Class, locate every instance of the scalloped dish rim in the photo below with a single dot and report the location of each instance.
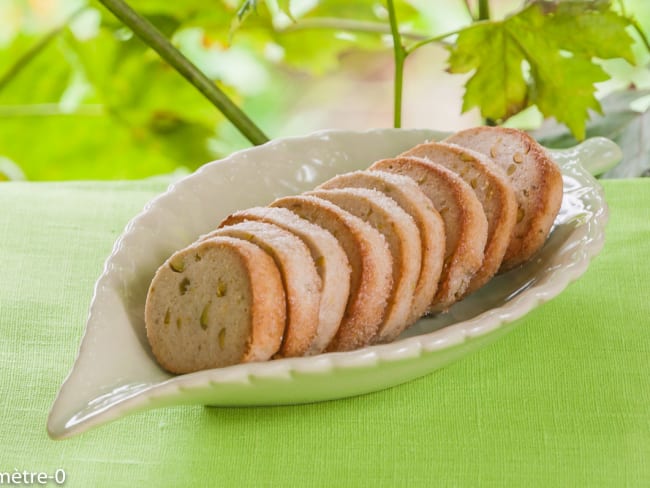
(200, 387)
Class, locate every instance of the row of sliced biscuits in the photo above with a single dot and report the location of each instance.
(358, 259)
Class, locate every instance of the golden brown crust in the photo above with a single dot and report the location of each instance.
(330, 260)
(493, 201)
(403, 238)
(183, 338)
(302, 285)
(536, 179)
(370, 260)
(408, 195)
(268, 312)
(465, 223)
(493, 190)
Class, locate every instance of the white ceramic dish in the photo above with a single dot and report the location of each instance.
(115, 373)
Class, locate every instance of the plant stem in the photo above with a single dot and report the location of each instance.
(29, 55)
(430, 40)
(335, 23)
(484, 14)
(483, 10)
(159, 43)
(400, 55)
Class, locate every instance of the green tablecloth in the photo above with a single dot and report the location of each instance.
(563, 400)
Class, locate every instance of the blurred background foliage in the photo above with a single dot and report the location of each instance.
(82, 98)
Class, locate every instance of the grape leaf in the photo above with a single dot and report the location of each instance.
(591, 30)
(488, 49)
(541, 56)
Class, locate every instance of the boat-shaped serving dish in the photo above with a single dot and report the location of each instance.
(115, 373)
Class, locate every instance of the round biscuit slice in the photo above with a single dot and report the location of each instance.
(301, 282)
(328, 255)
(403, 238)
(493, 190)
(370, 263)
(407, 194)
(216, 303)
(465, 223)
(536, 179)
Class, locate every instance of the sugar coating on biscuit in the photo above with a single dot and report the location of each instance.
(408, 195)
(328, 256)
(403, 238)
(370, 262)
(302, 285)
(536, 179)
(465, 223)
(493, 190)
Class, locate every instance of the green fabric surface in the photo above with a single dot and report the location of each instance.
(563, 400)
